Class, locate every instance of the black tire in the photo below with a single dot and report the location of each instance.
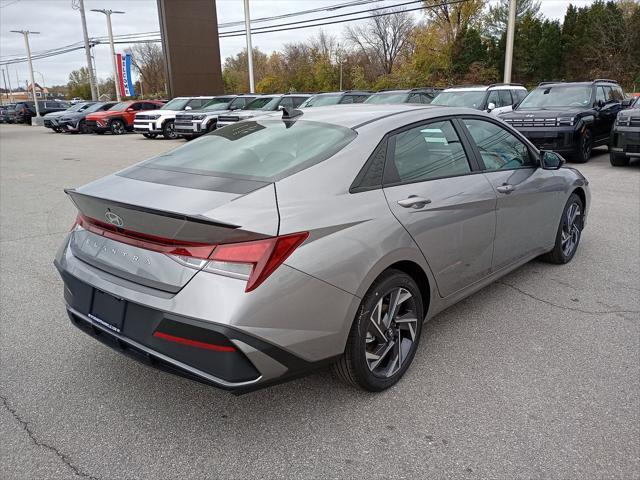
(82, 127)
(150, 135)
(169, 131)
(57, 129)
(117, 127)
(582, 153)
(353, 367)
(559, 255)
(618, 160)
(100, 132)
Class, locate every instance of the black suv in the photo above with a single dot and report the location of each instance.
(569, 118)
(625, 137)
(27, 110)
(414, 95)
(337, 98)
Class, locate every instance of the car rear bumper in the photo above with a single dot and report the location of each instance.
(626, 141)
(291, 324)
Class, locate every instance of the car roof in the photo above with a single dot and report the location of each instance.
(483, 88)
(354, 115)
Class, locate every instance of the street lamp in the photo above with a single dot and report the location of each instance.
(108, 13)
(25, 34)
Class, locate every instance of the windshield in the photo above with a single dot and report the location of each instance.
(266, 103)
(380, 98)
(322, 100)
(257, 149)
(95, 107)
(557, 96)
(118, 107)
(175, 104)
(218, 103)
(79, 107)
(460, 98)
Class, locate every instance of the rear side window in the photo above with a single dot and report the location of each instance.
(426, 152)
(518, 95)
(617, 93)
(263, 150)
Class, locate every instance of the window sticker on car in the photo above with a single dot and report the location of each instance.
(438, 136)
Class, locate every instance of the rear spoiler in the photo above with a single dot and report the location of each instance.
(160, 223)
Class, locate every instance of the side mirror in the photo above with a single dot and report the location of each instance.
(491, 106)
(188, 108)
(550, 160)
(129, 109)
(234, 107)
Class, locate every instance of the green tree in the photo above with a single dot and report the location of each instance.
(496, 18)
(79, 85)
(467, 49)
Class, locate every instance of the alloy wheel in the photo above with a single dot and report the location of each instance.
(571, 229)
(391, 333)
(586, 145)
(117, 127)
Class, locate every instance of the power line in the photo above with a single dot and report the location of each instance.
(134, 38)
(243, 31)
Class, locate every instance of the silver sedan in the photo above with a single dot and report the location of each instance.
(300, 239)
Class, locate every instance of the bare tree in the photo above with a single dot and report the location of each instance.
(383, 38)
(148, 59)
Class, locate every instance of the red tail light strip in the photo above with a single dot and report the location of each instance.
(143, 240)
(265, 255)
(194, 343)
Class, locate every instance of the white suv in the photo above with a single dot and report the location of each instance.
(151, 123)
(496, 98)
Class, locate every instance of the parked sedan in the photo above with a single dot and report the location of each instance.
(302, 238)
(75, 121)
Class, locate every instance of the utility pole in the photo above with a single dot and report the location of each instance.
(5, 82)
(79, 5)
(9, 82)
(116, 77)
(25, 34)
(511, 29)
(247, 26)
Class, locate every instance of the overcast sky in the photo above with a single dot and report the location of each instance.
(60, 25)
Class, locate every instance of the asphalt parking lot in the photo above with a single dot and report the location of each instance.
(536, 376)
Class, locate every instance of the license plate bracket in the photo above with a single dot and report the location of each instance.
(108, 310)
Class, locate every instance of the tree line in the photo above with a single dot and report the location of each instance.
(454, 44)
(446, 44)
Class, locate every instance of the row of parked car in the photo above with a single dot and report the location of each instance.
(569, 118)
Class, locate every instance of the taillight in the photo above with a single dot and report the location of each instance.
(254, 261)
(148, 242)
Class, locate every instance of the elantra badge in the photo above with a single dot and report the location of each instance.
(114, 219)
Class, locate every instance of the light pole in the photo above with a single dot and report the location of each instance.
(108, 13)
(511, 28)
(247, 27)
(79, 5)
(25, 34)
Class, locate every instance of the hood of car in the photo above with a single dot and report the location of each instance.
(630, 112)
(105, 114)
(72, 115)
(55, 114)
(554, 112)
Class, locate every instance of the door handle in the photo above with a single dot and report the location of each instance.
(414, 202)
(506, 188)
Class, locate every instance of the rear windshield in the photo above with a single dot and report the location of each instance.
(260, 150)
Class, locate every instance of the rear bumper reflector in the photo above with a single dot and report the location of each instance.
(193, 343)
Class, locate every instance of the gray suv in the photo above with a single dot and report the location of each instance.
(263, 106)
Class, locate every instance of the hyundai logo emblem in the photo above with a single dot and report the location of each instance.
(113, 218)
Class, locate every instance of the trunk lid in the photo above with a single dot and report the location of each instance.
(137, 223)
